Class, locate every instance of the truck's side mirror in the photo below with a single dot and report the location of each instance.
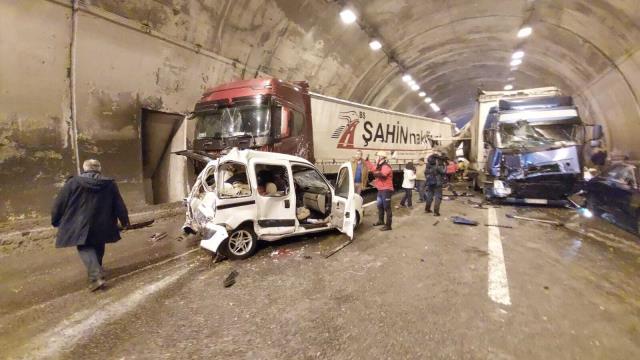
(285, 129)
(597, 132)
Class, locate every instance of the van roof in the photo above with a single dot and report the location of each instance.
(244, 156)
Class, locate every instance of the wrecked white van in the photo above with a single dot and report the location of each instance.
(248, 195)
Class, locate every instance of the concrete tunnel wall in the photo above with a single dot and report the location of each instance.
(161, 55)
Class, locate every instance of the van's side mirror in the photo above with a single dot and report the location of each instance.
(597, 133)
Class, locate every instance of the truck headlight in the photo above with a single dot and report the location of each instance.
(499, 189)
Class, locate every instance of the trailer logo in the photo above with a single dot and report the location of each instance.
(346, 133)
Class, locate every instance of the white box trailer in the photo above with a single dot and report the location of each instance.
(341, 127)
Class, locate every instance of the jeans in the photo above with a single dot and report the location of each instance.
(91, 256)
(384, 206)
(407, 197)
(421, 185)
(434, 191)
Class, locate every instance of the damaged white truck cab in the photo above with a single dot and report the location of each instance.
(247, 195)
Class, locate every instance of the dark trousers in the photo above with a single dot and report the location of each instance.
(384, 206)
(422, 188)
(406, 199)
(91, 255)
(434, 191)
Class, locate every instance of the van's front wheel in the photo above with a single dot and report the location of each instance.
(241, 244)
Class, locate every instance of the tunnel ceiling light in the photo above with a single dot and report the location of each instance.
(407, 78)
(428, 100)
(434, 107)
(415, 87)
(511, 79)
(422, 94)
(518, 54)
(348, 16)
(375, 45)
(524, 32)
(514, 68)
(446, 118)
(508, 87)
(516, 62)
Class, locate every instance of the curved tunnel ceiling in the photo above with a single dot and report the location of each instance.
(452, 48)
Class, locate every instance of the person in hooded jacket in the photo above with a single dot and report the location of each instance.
(86, 213)
(434, 173)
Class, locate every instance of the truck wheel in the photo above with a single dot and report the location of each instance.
(241, 243)
(357, 220)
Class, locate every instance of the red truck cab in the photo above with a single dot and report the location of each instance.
(264, 114)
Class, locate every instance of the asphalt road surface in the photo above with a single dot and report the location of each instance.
(427, 289)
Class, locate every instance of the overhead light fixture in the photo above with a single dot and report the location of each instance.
(524, 32)
(348, 16)
(511, 79)
(514, 68)
(518, 54)
(434, 107)
(446, 118)
(427, 100)
(375, 45)
(407, 78)
(422, 94)
(415, 87)
(508, 87)
(516, 62)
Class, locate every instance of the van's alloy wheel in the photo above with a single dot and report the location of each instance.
(241, 244)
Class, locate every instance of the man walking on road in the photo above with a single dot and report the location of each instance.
(360, 172)
(435, 180)
(86, 213)
(383, 174)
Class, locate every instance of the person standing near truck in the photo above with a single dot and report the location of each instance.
(383, 174)
(360, 172)
(420, 180)
(408, 183)
(434, 174)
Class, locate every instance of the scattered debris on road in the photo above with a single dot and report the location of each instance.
(158, 236)
(330, 253)
(500, 226)
(436, 223)
(230, 279)
(139, 225)
(551, 222)
(463, 221)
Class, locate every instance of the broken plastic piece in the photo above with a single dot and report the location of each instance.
(230, 279)
(463, 221)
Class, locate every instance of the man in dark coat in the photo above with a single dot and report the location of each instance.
(86, 213)
(434, 174)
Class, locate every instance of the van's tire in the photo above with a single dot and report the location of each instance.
(241, 243)
(358, 220)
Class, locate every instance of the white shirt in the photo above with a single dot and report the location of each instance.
(409, 179)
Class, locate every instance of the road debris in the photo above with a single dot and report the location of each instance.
(327, 255)
(230, 279)
(436, 223)
(158, 236)
(556, 223)
(139, 225)
(500, 226)
(463, 221)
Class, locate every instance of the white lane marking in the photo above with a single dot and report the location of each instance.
(498, 286)
(368, 204)
(77, 327)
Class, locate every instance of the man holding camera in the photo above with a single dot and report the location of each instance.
(434, 174)
(383, 174)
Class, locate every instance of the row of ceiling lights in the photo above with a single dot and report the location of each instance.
(518, 55)
(349, 17)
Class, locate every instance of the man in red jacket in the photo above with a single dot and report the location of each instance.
(383, 174)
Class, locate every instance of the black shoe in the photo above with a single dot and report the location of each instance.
(385, 228)
(427, 210)
(436, 214)
(378, 223)
(96, 284)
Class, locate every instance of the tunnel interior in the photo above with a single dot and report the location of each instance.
(94, 65)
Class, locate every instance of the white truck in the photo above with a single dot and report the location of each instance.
(278, 116)
(527, 146)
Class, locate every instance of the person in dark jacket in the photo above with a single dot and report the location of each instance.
(434, 174)
(86, 213)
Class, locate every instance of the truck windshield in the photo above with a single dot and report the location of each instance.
(236, 120)
(525, 134)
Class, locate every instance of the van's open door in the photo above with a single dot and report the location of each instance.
(343, 209)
